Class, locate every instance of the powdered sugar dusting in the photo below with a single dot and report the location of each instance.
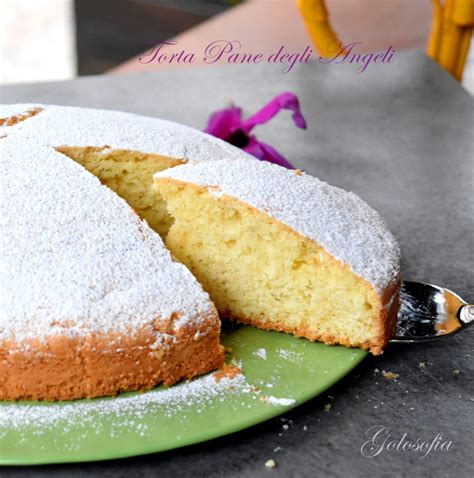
(11, 115)
(75, 257)
(171, 401)
(280, 401)
(289, 355)
(339, 221)
(260, 353)
(132, 412)
(72, 126)
(8, 111)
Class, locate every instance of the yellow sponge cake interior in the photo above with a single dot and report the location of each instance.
(130, 175)
(260, 271)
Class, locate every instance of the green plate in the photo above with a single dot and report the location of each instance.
(279, 372)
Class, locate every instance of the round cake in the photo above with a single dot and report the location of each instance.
(281, 250)
(92, 302)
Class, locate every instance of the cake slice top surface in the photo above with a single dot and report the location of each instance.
(58, 126)
(75, 258)
(339, 221)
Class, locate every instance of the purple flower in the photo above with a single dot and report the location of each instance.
(227, 124)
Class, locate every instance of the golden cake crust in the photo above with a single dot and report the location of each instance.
(64, 368)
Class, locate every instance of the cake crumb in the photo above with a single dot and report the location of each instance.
(422, 364)
(327, 407)
(270, 464)
(390, 375)
(227, 371)
(456, 371)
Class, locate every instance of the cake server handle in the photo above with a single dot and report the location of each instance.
(466, 314)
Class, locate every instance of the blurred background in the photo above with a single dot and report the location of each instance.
(44, 40)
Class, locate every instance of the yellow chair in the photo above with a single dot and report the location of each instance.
(315, 16)
(451, 34)
(451, 31)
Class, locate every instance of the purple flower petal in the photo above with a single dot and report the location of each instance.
(224, 122)
(287, 101)
(273, 156)
(265, 152)
(227, 124)
(253, 148)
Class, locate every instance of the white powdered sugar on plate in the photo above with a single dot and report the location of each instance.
(132, 411)
(339, 221)
(199, 391)
(289, 355)
(279, 401)
(260, 353)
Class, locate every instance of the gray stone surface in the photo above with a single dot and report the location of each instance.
(401, 137)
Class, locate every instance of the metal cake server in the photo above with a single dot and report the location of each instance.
(429, 312)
